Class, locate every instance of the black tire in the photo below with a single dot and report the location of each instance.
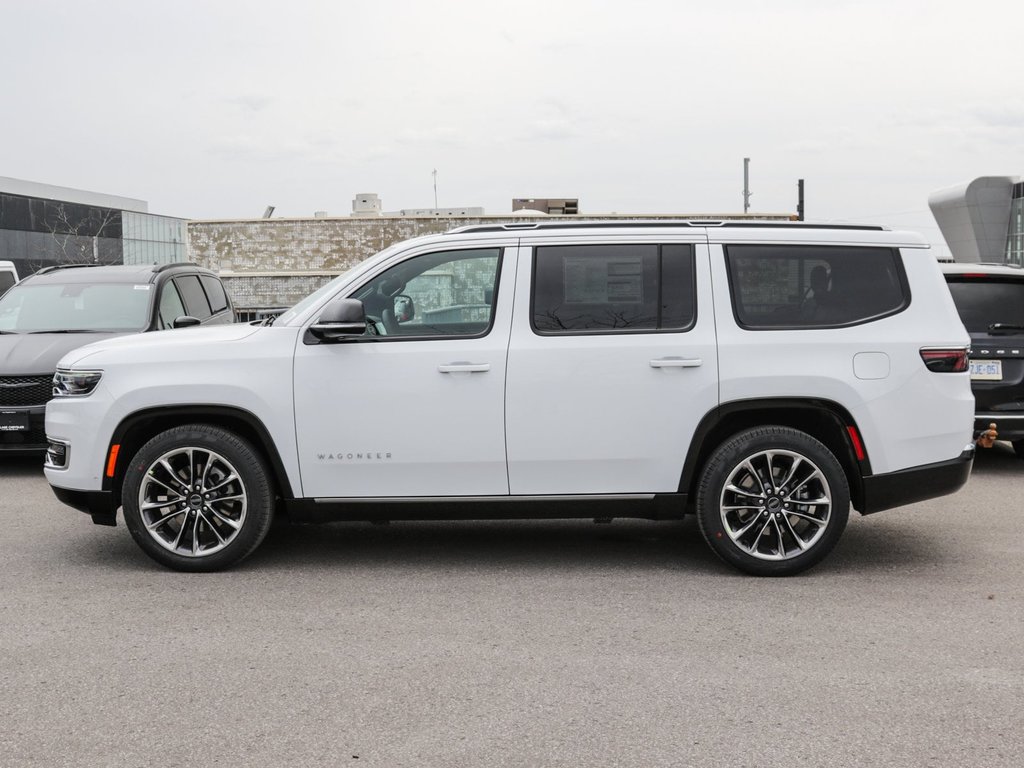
(1018, 448)
(216, 520)
(772, 527)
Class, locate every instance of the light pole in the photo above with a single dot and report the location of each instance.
(746, 184)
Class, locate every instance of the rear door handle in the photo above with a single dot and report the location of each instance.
(464, 368)
(677, 362)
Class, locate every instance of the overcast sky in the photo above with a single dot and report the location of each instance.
(217, 109)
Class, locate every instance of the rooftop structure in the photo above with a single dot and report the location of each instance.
(982, 220)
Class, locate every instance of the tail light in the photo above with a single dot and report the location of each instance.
(952, 360)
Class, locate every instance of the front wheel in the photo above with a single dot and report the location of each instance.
(1018, 448)
(197, 498)
(772, 501)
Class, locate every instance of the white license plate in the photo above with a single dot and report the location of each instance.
(987, 370)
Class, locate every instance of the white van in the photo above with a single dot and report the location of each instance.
(8, 276)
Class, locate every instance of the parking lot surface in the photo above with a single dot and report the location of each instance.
(517, 644)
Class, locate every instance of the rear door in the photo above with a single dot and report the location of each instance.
(612, 363)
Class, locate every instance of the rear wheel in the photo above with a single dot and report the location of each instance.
(197, 498)
(772, 501)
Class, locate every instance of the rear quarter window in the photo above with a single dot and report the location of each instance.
(814, 286)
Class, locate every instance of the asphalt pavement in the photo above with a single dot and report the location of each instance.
(517, 644)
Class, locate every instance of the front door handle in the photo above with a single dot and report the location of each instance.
(677, 362)
(464, 368)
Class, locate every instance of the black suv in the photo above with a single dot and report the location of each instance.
(990, 300)
(58, 309)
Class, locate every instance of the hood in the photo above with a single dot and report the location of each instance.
(146, 345)
(31, 353)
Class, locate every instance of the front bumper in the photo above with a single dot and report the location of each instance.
(907, 486)
(100, 505)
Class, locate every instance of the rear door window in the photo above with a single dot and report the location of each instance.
(613, 288)
(814, 286)
(194, 296)
(214, 293)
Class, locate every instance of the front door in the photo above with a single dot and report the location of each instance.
(417, 408)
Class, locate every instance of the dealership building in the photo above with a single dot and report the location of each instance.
(983, 220)
(43, 225)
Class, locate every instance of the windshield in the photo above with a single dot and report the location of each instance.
(113, 307)
(985, 303)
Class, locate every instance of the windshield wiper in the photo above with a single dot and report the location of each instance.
(1004, 328)
(67, 330)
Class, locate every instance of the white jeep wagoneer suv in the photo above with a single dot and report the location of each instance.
(761, 376)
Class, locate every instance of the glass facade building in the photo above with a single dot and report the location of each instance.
(43, 226)
(37, 233)
(150, 239)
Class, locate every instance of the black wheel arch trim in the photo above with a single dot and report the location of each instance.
(729, 418)
(192, 412)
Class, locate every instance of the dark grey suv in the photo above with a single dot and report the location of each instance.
(990, 300)
(59, 309)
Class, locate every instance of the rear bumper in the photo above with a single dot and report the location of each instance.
(907, 486)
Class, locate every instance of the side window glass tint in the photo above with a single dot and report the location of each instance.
(171, 307)
(613, 288)
(214, 293)
(451, 293)
(6, 281)
(194, 296)
(812, 286)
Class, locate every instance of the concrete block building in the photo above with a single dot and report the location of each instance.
(270, 264)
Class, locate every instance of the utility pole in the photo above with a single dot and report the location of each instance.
(799, 199)
(746, 184)
(435, 189)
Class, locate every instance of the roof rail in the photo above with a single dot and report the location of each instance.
(654, 224)
(55, 267)
(161, 267)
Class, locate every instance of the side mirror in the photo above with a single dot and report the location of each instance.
(186, 321)
(405, 310)
(341, 319)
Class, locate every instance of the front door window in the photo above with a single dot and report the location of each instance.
(437, 295)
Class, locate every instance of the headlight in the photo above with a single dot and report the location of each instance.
(75, 383)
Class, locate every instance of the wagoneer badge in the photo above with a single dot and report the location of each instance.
(363, 456)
